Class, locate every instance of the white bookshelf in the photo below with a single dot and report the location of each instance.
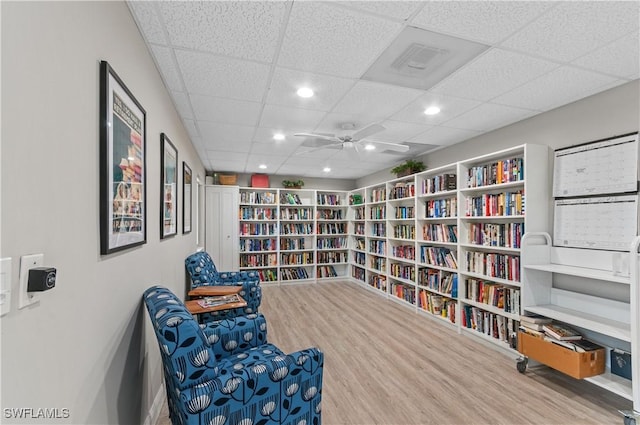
(595, 292)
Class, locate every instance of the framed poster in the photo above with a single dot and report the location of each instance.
(123, 168)
(186, 198)
(168, 188)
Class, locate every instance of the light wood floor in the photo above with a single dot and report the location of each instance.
(385, 364)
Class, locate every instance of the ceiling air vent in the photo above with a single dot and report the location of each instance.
(420, 59)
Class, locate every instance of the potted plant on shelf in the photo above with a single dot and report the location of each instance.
(293, 184)
(408, 167)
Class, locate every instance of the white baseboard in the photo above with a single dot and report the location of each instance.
(156, 407)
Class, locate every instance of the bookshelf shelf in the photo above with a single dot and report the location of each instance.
(586, 272)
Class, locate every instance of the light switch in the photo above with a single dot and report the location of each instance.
(5, 286)
(28, 262)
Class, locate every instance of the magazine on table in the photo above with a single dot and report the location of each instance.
(214, 301)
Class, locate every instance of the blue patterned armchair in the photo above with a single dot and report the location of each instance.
(203, 272)
(226, 373)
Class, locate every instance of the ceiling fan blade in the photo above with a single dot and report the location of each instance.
(389, 146)
(318, 136)
(367, 131)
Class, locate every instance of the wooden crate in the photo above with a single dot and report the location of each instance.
(228, 179)
(572, 363)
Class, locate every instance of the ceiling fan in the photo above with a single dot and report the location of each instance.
(356, 141)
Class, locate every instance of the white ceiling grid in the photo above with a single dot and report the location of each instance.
(232, 68)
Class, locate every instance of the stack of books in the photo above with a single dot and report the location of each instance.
(557, 333)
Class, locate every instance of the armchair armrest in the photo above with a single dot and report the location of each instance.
(235, 335)
(282, 389)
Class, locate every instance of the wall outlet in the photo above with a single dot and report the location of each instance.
(28, 262)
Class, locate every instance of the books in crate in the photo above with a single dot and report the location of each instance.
(557, 333)
(218, 300)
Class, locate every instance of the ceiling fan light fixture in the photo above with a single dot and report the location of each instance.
(432, 110)
(305, 92)
(278, 136)
(369, 147)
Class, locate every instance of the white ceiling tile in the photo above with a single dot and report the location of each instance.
(333, 40)
(560, 86)
(483, 21)
(495, 72)
(148, 21)
(218, 145)
(226, 156)
(283, 117)
(328, 90)
(168, 68)
(309, 154)
(363, 159)
(620, 58)
(181, 100)
(450, 107)
(573, 29)
(400, 10)
(265, 134)
(222, 164)
(283, 148)
(488, 117)
(225, 111)
(396, 131)
(335, 123)
(244, 29)
(224, 77)
(444, 136)
(387, 99)
(222, 133)
(299, 168)
(190, 125)
(273, 162)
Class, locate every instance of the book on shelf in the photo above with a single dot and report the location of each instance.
(533, 326)
(561, 332)
(535, 318)
(532, 332)
(218, 300)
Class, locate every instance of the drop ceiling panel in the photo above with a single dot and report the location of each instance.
(396, 132)
(492, 74)
(181, 100)
(284, 148)
(488, 117)
(168, 68)
(224, 77)
(450, 107)
(221, 164)
(573, 29)
(333, 123)
(283, 117)
(324, 38)
(215, 133)
(483, 21)
(309, 154)
(388, 99)
(620, 58)
(272, 162)
(228, 156)
(146, 16)
(193, 131)
(265, 134)
(568, 84)
(225, 111)
(444, 136)
(328, 90)
(400, 10)
(247, 30)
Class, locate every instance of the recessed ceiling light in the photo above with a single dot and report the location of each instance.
(262, 166)
(326, 169)
(369, 147)
(305, 92)
(278, 136)
(432, 110)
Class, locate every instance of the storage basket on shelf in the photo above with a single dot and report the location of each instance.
(228, 179)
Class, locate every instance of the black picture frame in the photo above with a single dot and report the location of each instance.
(123, 142)
(187, 198)
(168, 188)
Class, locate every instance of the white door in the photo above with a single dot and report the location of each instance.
(221, 236)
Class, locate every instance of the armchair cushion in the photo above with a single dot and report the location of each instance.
(261, 385)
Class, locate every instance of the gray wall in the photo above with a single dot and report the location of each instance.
(88, 345)
(309, 182)
(615, 111)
